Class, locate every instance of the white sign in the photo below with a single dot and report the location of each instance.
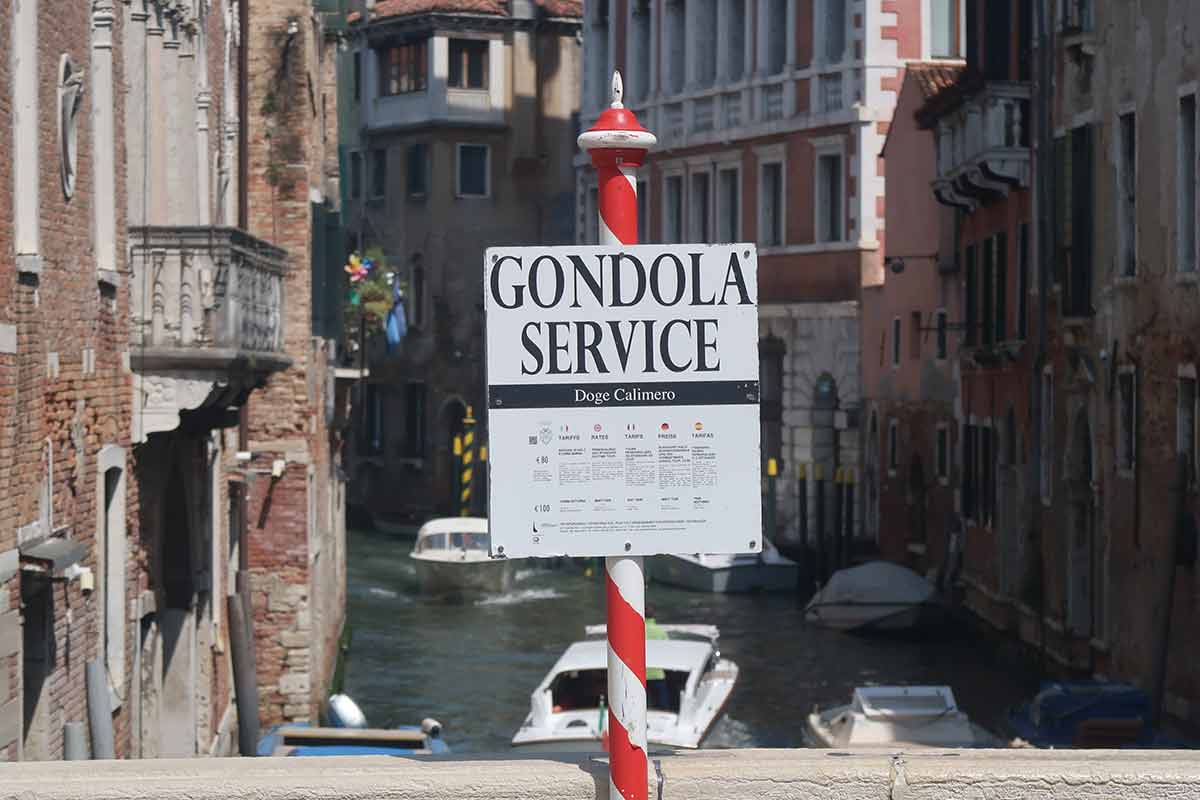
(623, 400)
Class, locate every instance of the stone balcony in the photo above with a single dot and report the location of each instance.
(983, 146)
(207, 307)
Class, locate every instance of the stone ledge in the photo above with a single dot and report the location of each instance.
(705, 775)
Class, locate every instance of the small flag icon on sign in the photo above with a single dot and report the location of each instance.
(699, 426)
(597, 427)
(665, 426)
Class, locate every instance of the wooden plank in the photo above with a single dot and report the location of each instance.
(300, 735)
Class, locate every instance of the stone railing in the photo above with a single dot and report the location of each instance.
(983, 146)
(704, 775)
(202, 296)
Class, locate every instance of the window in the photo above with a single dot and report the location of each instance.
(414, 420)
(1127, 194)
(944, 25)
(776, 35)
(673, 209)
(969, 472)
(675, 66)
(987, 281)
(378, 173)
(1073, 176)
(1186, 424)
(473, 170)
(1001, 298)
(1023, 281)
(829, 199)
(403, 69)
(914, 335)
(416, 292)
(970, 305)
(418, 169)
(941, 324)
(1076, 15)
(357, 76)
(591, 223)
(699, 207)
(998, 40)
(1186, 175)
(1047, 432)
(643, 211)
(831, 92)
(896, 342)
(468, 64)
(770, 228)
(771, 351)
(1127, 443)
(986, 487)
(834, 31)
(942, 452)
(728, 205)
(893, 446)
(356, 174)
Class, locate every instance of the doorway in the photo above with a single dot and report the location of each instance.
(1082, 559)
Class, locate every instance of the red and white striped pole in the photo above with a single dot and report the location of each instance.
(617, 144)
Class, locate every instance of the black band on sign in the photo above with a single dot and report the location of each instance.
(623, 395)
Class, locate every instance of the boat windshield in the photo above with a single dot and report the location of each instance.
(453, 541)
(581, 690)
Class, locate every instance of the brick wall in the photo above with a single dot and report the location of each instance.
(291, 536)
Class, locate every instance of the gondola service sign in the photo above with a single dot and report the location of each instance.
(623, 400)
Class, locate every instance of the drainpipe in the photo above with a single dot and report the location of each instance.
(244, 115)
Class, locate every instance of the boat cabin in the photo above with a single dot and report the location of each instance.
(467, 534)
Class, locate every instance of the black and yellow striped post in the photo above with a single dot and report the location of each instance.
(772, 476)
(456, 470)
(468, 464)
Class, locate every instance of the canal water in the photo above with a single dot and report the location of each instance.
(473, 664)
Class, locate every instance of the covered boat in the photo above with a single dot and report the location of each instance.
(568, 712)
(887, 716)
(768, 571)
(875, 596)
(451, 556)
(1085, 714)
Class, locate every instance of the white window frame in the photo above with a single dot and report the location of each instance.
(734, 166)
(1192, 448)
(1119, 194)
(487, 171)
(893, 447)
(772, 155)
(941, 434)
(897, 332)
(830, 146)
(1124, 469)
(927, 33)
(668, 173)
(1184, 264)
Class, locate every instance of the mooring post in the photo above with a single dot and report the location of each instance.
(769, 517)
(617, 144)
(819, 477)
(468, 463)
(848, 547)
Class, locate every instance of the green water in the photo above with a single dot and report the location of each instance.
(472, 665)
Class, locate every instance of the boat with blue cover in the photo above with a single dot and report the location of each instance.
(1067, 714)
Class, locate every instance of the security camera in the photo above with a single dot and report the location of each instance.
(896, 264)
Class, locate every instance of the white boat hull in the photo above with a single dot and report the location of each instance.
(688, 573)
(919, 735)
(451, 577)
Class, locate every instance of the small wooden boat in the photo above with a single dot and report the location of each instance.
(891, 716)
(299, 739)
(768, 571)
(1088, 714)
(568, 707)
(451, 556)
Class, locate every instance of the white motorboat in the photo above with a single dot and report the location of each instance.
(768, 571)
(890, 716)
(878, 596)
(451, 556)
(567, 709)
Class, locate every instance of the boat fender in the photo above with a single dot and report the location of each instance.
(345, 713)
(431, 727)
